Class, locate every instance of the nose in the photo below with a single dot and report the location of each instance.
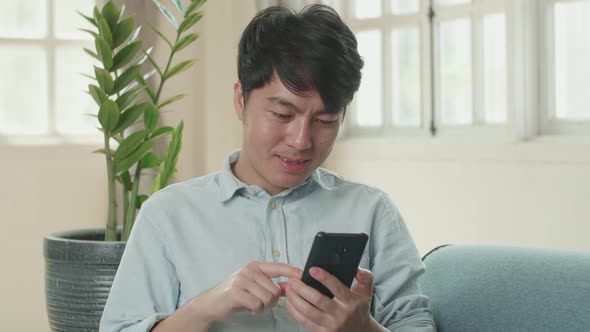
(299, 135)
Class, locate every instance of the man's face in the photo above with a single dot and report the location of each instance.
(285, 136)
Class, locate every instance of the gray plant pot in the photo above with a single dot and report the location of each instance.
(79, 272)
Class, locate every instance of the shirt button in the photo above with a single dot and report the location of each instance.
(276, 253)
(273, 205)
(252, 192)
(281, 303)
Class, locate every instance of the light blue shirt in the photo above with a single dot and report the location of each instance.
(190, 236)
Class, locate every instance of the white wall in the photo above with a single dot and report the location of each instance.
(533, 194)
(525, 194)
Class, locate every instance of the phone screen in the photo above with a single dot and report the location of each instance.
(337, 253)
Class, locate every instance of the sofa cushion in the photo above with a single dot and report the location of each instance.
(496, 288)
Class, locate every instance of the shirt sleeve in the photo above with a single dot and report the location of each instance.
(398, 302)
(145, 289)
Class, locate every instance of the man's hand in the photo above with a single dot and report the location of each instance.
(250, 288)
(347, 311)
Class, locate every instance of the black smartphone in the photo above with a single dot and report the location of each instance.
(337, 253)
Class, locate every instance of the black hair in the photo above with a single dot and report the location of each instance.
(309, 50)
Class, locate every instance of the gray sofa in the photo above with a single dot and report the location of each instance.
(496, 288)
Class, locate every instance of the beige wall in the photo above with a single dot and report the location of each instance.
(48, 188)
(523, 194)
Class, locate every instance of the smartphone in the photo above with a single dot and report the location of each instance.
(337, 253)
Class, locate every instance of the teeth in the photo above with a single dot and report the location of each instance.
(291, 162)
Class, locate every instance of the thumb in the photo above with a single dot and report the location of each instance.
(364, 285)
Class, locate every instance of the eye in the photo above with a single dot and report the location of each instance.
(281, 115)
(327, 122)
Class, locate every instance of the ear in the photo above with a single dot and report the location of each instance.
(238, 100)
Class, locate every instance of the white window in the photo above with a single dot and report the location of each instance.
(463, 68)
(565, 88)
(42, 64)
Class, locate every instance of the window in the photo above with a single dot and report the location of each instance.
(42, 65)
(453, 66)
(565, 89)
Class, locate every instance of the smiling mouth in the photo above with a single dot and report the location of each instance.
(293, 161)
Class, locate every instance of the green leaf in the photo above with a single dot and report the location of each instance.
(130, 116)
(145, 55)
(162, 36)
(178, 5)
(117, 138)
(127, 77)
(185, 41)
(156, 183)
(102, 151)
(125, 99)
(193, 6)
(92, 54)
(134, 157)
(171, 100)
(97, 15)
(89, 19)
(104, 79)
(104, 53)
(125, 55)
(92, 33)
(184, 65)
(140, 200)
(146, 87)
(88, 76)
(125, 179)
(108, 115)
(105, 32)
(161, 131)
(166, 13)
(97, 94)
(129, 144)
(154, 64)
(189, 21)
(123, 31)
(110, 13)
(169, 170)
(150, 117)
(150, 160)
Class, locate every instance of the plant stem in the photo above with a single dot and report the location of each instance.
(126, 194)
(157, 99)
(111, 230)
(130, 216)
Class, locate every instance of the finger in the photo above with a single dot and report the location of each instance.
(247, 301)
(311, 295)
(304, 307)
(253, 272)
(265, 296)
(283, 286)
(340, 291)
(274, 270)
(364, 286)
(301, 319)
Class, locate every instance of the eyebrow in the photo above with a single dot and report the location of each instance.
(286, 103)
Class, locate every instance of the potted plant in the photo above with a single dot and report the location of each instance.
(81, 264)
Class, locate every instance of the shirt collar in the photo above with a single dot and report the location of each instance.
(229, 184)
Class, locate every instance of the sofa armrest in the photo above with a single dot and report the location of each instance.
(497, 288)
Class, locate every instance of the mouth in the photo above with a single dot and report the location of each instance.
(293, 161)
(293, 164)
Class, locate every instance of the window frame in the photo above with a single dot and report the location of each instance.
(547, 124)
(50, 43)
(529, 74)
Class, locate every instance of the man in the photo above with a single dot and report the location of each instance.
(223, 252)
